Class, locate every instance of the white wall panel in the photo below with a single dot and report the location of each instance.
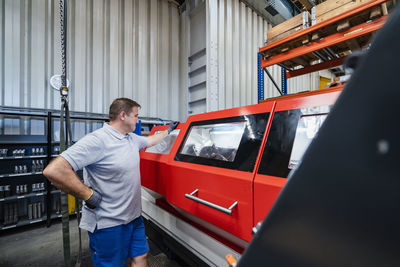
(138, 49)
(198, 58)
(240, 33)
(2, 35)
(174, 63)
(115, 48)
(98, 62)
(183, 67)
(212, 56)
(236, 54)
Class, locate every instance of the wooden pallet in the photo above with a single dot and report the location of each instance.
(332, 8)
(338, 50)
(288, 27)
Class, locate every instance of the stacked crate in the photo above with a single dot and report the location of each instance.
(319, 13)
(288, 27)
(328, 18)
(332, 8)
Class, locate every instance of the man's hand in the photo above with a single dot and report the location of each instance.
(61, 174)
(156, 138)
(94, 200)
(172, 126)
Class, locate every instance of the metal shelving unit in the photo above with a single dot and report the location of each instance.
(325, 44)
(27, 195)
(27, 221)
(32, 134)
(19, 174)
(25, 157)
(27, 130)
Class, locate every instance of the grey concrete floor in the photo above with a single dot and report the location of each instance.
(37, 245)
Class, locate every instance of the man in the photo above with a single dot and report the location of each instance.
(111, 188)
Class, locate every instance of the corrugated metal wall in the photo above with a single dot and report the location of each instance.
(198, 53)
(134, 48)
(115, 48)
(240, 33)
(234, 34)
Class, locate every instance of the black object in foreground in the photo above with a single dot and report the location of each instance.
(341, 206)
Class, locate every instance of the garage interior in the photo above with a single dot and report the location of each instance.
(283, 152)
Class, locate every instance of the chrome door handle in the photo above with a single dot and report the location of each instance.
(209, 204)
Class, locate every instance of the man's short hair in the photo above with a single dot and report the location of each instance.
(121, 104)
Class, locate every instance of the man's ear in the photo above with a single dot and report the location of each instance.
(122, 115)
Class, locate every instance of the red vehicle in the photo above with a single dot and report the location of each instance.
(227, 167)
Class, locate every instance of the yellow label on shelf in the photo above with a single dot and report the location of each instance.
(71, 204)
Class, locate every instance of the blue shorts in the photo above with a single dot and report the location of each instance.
(112, 246)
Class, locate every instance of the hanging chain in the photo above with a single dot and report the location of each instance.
(64, 89)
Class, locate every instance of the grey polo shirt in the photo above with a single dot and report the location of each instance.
(111, 167)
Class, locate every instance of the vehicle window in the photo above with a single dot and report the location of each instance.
(231, 143)
(216, 141)
(289, 137)
(164, 147)
(306, 130)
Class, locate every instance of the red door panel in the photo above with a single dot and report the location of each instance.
(153, 166)
(268, 187)
(215, 185)
(221, 189)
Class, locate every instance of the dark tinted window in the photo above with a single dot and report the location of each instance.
(231, 143)
(278, 152)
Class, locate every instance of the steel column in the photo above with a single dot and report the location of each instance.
(260, 76)
(284, 81)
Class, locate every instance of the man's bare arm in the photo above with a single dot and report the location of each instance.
(156, 138)
(61, 174)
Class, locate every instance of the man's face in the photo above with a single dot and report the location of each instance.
(132, 119)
